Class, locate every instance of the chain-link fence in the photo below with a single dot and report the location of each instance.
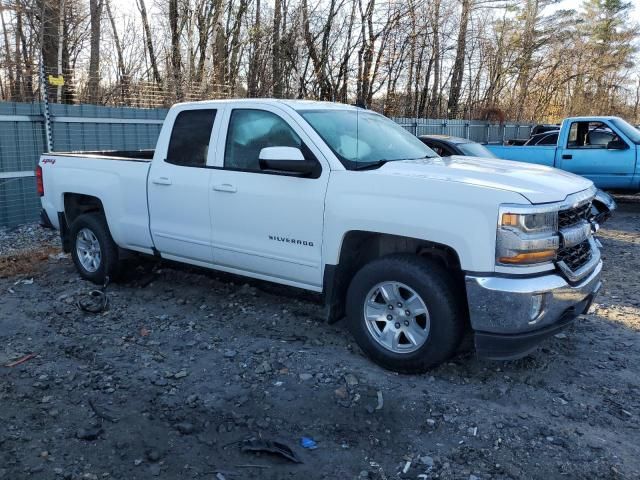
(23, 137)
(76, 87)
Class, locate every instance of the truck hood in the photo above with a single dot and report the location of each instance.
(537, 183)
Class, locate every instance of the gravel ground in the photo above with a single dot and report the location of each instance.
(187, 364)
(26, 238)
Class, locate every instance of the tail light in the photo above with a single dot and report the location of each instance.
(39, 182)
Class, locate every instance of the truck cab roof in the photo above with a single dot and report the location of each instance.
(294, 104)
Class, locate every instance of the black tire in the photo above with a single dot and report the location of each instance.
(434, 284)
(110, 262)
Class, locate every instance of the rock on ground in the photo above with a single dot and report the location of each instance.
(186, 364)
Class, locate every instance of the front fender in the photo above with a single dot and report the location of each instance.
(460, 216)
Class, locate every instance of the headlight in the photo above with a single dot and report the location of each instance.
(531, 222)
(526, 236)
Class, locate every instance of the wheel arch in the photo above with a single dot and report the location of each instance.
(360, 247)
(74, 205)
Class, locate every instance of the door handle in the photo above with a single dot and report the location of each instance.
(567, 157)
(162, 181)
(225, 187)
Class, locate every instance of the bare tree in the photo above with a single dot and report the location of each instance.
(458, 64)
(176, 58)
(95, 11)
(149, 41)
(252, 80)
(276, 56)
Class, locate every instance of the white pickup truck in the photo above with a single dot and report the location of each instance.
(415, 250)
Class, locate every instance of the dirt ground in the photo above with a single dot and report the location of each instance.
(186, 364)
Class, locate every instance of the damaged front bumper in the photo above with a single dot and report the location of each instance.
(510, 316)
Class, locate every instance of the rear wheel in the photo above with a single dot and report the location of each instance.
(404, 313)
(94, 252)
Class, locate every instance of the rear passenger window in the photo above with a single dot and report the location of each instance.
(551, 139)
(189, 143)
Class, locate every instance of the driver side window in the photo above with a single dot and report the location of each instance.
(590, 135)
(252, 130)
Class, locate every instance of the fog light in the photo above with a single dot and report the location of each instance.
(537, 302)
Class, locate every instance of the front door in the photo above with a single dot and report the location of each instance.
(267, 224)
(585, 153)
(179, 191)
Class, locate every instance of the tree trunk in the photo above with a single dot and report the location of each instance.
(275, 59)
(27, 49)
(343, 75)
(10, 68)
(123, 76)
(319, 59)
(235, 46)
(458, 64)
(527, 47)
(176, 57)
(252, 81)
(149, 41)
(434, 104)
(219, 57)
(95, 12)
(50, 11)
(365, 55)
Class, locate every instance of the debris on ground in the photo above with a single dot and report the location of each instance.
(21, 360)
(270, 446)
(195, 362)
(308, 443)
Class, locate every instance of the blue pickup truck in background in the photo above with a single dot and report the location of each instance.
(603, 149)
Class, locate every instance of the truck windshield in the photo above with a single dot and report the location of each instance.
(360, 138)
(631, 132)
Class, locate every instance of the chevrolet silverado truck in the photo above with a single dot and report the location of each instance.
(415, 250)
(603, 149)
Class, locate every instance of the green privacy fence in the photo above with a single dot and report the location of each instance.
(73, 127)
(90, 127)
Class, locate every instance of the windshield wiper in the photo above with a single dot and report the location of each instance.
(370, 165)
(379, 163)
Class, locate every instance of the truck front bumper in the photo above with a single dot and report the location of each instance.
(510, 316)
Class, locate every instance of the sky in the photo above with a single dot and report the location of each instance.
(130, 6)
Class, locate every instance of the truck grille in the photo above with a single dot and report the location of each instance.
(571, 216)
(576, 256)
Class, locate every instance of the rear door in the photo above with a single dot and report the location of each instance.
(179, 216)
(267, 224)
(584, 152)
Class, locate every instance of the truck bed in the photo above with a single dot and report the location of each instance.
(540, 154)
(118, 178)
(129, 155)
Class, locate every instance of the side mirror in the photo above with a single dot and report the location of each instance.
(617, 144)
(286, 160)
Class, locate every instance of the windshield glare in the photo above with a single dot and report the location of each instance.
(475, 150)
(360, 137)
(631, 132)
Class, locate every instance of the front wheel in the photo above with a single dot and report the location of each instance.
(404, 313)
(94, 252)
